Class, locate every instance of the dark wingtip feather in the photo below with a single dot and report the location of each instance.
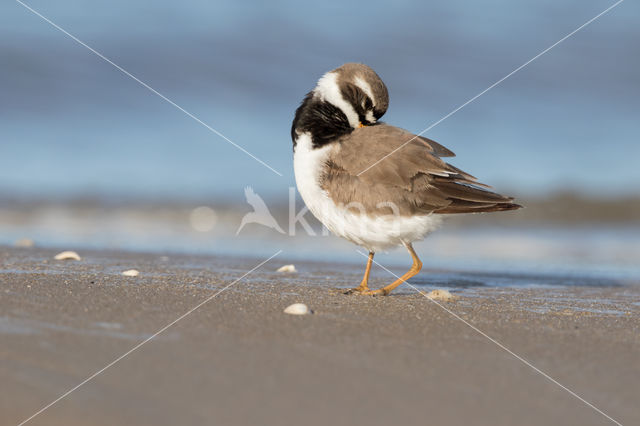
(454, 208)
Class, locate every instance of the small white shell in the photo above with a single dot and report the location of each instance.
(287, 268)
(131, 273)
(297, 309)
(67, 255)
(443, 295)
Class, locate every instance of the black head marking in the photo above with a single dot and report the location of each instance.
(324, 121)
(359, 100)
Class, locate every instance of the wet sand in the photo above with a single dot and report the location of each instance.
(356, 360)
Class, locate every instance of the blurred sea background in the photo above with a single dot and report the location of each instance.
(89, 158)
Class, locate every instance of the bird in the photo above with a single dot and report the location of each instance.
(374, 184)
(260, 213)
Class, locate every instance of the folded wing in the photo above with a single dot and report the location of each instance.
(410, 179)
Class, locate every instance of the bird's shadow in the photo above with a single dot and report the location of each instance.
(488, 279)
(447, 282)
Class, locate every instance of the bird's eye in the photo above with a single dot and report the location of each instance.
(368, 104)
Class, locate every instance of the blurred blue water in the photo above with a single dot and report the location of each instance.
(70, 124)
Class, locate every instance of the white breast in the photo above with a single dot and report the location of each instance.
(375, 233)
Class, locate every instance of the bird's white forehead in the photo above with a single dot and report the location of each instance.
(370, 117)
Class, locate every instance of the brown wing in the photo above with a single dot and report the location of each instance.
(413, 179)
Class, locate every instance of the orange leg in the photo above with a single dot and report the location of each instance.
(415, 268)
(364, 285)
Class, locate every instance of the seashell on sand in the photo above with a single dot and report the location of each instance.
(67, 255)
(131, 273)
(297, 309)
(287, 268)
(443, 295)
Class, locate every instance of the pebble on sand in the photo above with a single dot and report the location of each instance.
(131, 273)
(297, 309)
(287, 268)
(443, 295)
(67, 255)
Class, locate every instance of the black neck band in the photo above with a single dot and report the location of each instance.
(324, 121)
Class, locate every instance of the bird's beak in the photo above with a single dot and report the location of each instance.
(360, 125)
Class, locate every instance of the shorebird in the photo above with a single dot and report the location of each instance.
(374, 184)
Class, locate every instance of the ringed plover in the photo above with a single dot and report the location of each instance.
(374, 184)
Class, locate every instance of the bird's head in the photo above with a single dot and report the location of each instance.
(357, 91)
(346, 98)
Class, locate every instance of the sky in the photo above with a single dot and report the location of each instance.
(72, 125)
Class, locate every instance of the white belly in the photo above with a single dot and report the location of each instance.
(375, 233)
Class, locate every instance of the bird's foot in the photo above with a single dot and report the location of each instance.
(367, 291)
(356, 290)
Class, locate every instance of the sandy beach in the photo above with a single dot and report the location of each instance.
(239, 359)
